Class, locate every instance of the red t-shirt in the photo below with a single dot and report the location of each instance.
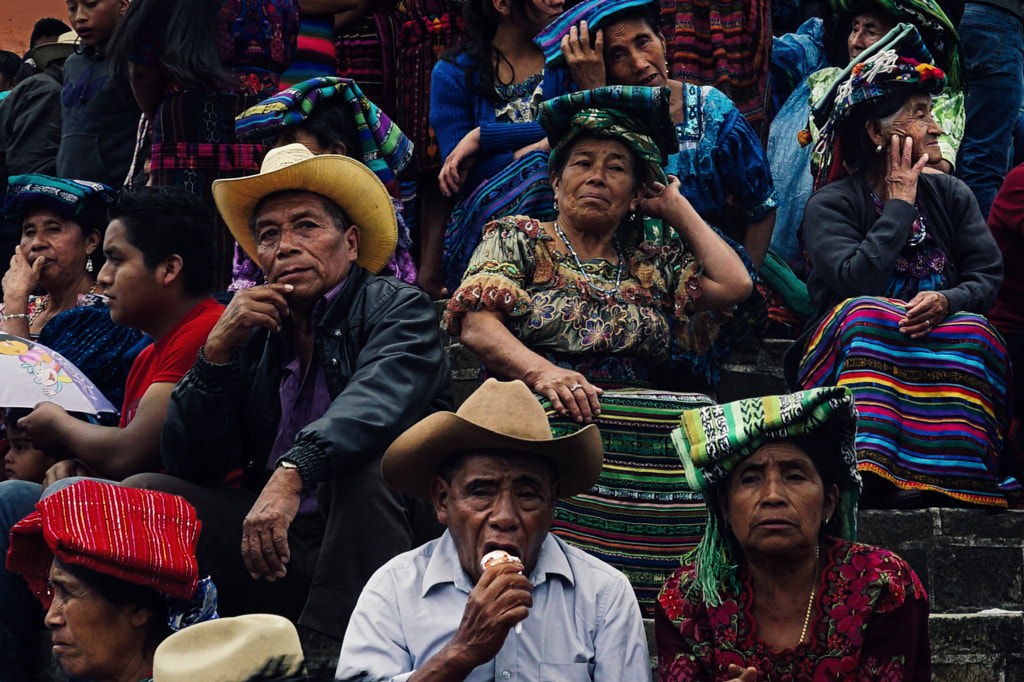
(171, 357)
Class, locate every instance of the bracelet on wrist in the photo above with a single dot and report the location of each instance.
(14, 316)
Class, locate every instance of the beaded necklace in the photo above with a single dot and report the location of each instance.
(586, 275)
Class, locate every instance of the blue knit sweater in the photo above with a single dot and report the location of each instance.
(455, 110)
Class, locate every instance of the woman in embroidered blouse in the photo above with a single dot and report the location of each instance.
(777, 589)
(595, 296)
(62, 226)
(902, 268)
(721, 161)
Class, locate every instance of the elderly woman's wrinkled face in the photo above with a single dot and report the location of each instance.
(59, 241)
(915, 120)
(775, 502)
(867, 29)
(597, 186)
(634, 54)
(92, 638)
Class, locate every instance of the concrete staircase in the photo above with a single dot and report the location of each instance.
(970, 561)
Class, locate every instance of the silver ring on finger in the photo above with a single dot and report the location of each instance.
(575, 387)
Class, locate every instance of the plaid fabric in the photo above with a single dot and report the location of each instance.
(638, 117)
(140, 536)
(385, 149)
(66, 197)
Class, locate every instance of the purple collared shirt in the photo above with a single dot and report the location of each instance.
(304, 399)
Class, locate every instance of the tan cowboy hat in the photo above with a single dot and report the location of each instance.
(230, 650)
(345, 181)
(498, 416)
(62, 48)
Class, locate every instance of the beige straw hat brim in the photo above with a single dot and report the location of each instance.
(498, 417)
(62, 48)
(345, 181)
(229, 650)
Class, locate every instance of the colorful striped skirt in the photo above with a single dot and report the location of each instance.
(641, 516)
(933, 411)
(523, 188)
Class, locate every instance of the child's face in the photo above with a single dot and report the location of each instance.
(22, 461)
(95, 20)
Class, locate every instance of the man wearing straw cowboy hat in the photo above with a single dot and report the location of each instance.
(301, 387)
(497, 597)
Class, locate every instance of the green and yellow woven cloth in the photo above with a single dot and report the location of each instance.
(636, 116)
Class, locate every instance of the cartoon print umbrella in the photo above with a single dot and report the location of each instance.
(31, 373)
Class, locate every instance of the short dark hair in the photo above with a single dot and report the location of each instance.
(650, 14)
(331, 122)
(10, 64)
(47, 26)
(334, 212)
(162, 221)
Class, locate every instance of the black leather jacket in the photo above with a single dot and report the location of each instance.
(380, 348)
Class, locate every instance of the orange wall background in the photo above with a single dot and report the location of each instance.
(18, 16)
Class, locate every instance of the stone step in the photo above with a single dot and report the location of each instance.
(968, 559)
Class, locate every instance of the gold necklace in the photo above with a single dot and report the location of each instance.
(810, 601)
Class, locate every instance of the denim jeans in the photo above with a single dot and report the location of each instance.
(19, 610)
(994, 50)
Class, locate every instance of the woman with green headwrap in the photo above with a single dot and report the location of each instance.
(777, 588)
(599, 295)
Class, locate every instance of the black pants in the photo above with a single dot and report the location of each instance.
(362, 523)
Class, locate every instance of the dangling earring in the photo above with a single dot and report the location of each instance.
(88, 263)
(555, 204)
(878, 149)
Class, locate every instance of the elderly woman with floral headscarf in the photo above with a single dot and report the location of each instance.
(868, 22)
(113, 591)
(777, 588)
(902, 268)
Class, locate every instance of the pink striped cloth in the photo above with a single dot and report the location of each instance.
(141, 536)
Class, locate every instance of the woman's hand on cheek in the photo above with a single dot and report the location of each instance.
(658, 200)
(902, 171)
(21, 278)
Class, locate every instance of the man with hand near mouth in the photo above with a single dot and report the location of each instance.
(300, 388)
(497, 597)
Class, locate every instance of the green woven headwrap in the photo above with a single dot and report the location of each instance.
(638, 117)
(713, 440)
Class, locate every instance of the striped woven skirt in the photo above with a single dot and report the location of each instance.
(523, 188)
(641, 516)
(933, 411)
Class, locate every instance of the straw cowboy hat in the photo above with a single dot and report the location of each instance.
(230, 650)
(61, 48)
(499, 416)
(345, 181)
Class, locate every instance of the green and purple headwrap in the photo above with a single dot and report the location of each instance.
(66, 197)
(713, 440)
(384, 147)
(898, 62)
(635, 116)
